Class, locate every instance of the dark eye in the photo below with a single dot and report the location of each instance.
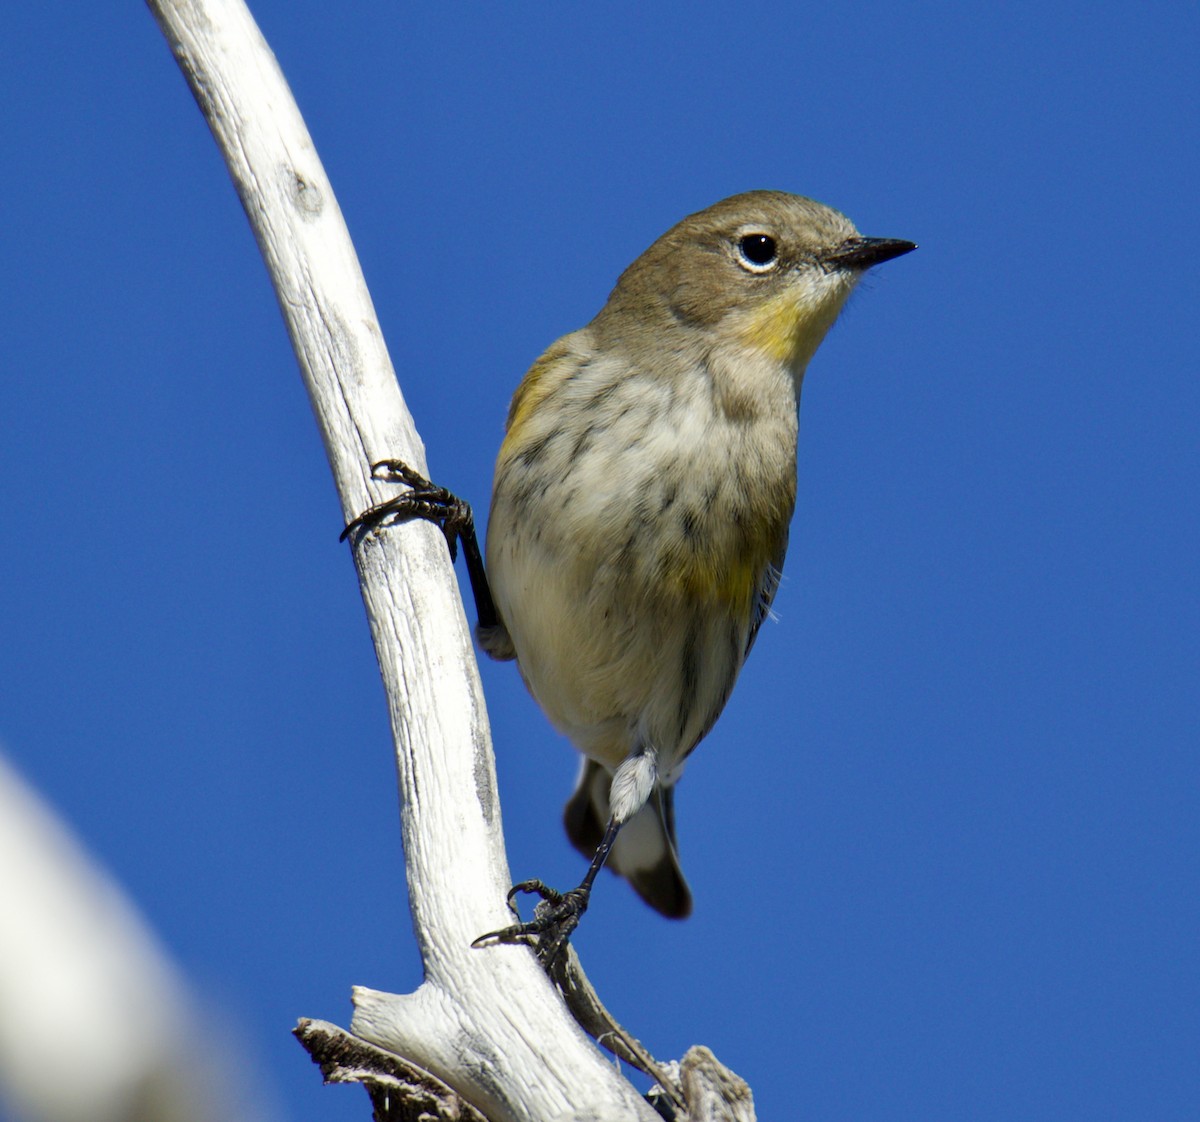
(758, 250)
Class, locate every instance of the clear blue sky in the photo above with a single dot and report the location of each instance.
(945, 842)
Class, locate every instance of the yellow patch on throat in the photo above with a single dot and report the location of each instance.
(789, 327)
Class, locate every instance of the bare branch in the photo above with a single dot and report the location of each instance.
(487, 1022)
(399, 1091)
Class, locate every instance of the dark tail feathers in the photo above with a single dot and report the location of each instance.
(644, 853)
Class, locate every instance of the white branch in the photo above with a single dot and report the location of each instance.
(486, 1022)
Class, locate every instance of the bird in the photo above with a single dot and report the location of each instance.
(640, 513)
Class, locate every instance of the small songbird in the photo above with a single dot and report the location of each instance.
(640, 513)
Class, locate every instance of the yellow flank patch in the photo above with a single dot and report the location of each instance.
(789, 328)
(732, 584)
(729, 571)
(535, 387)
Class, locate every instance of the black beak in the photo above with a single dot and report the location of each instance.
(862, 253)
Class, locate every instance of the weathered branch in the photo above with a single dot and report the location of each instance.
(399, 1091)
(485, 1022)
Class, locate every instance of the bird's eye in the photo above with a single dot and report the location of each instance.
(758, 252)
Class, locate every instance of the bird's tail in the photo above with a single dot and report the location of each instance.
(644, 853)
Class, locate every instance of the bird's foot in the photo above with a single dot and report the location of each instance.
(423, 500)
(555, 917)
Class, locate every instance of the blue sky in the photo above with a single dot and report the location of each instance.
(944, 841)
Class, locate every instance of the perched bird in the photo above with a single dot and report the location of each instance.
(640, 513)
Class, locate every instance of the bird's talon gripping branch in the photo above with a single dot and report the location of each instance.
(554, 920)
(426, 500)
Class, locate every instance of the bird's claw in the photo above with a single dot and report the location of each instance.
(554, 920)
(424, 499)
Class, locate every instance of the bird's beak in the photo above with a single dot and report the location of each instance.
(862, 253)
